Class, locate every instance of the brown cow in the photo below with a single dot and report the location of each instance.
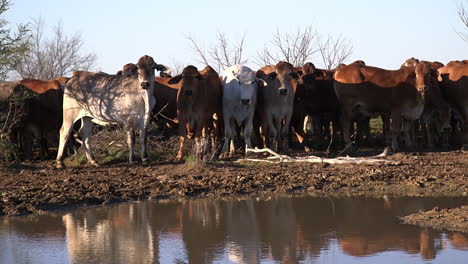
(198, 99)
(315, 96)
(371, 91)
(435, 118)
(454, 77)
(165, 109)
(39, 86)
(275, 103)
(41, 121)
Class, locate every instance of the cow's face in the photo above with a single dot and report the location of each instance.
(129, 69)
(145, 70)
(426, 79)
(190, 79)
(248, 87)
(411, 62)
(286, 76)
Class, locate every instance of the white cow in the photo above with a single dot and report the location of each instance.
(104, 99)
(239, 102)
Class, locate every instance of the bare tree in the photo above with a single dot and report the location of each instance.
(296, 49)
(334, 51)
(303, 46)
(222, 54)
(55, 56)
(463, 15)
(12, 44)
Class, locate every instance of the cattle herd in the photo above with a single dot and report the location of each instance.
(264, 106)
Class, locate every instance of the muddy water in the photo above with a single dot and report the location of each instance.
(253, 230)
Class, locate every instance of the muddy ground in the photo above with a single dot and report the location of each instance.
(453, 219)
(34, 187)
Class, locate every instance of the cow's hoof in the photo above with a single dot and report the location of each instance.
(95, 164)
(306, 149)
(178, 160)
(145, 161)
(59, 165)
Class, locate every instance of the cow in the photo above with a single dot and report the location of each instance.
(435, 118)
(275, 103)
(105, 99)
(41, 121)
(239, 101)
(166, 105)
(165, 110)
(370, 91)
(315, 96)
(40, 86)
(129, 69)
(198, 99)
(454, 82)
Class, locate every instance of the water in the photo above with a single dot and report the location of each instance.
(254, 230)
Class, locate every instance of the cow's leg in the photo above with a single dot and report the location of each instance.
(65, 131)
(386, 130)
(248, 132)
(181, 147)
(198, 149)
(429, 127)
(346, 122)
(395, 130)
(227, 135)
(465, 128)
(143, 146)
(27, 142)
(131, 143)
(275, 133)
(408, 126)
(85, 134)
(285, 132)
(43, 144)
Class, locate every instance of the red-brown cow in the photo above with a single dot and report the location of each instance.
(39, 86)
(372, 91)
(454, 77)
(436, 115)
(198, 99)
(165, 109)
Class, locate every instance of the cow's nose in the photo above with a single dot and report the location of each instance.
(188, 92)
(283, 91)
(144, 85)
(245, 101)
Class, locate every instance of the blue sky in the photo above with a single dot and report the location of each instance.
(383, 33)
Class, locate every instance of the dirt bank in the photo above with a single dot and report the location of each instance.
(36, 187)
(453, 219)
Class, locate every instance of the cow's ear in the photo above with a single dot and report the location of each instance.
(262, 82)
(119, 72)
(159, 67)
(175, 79)
(272, 75)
